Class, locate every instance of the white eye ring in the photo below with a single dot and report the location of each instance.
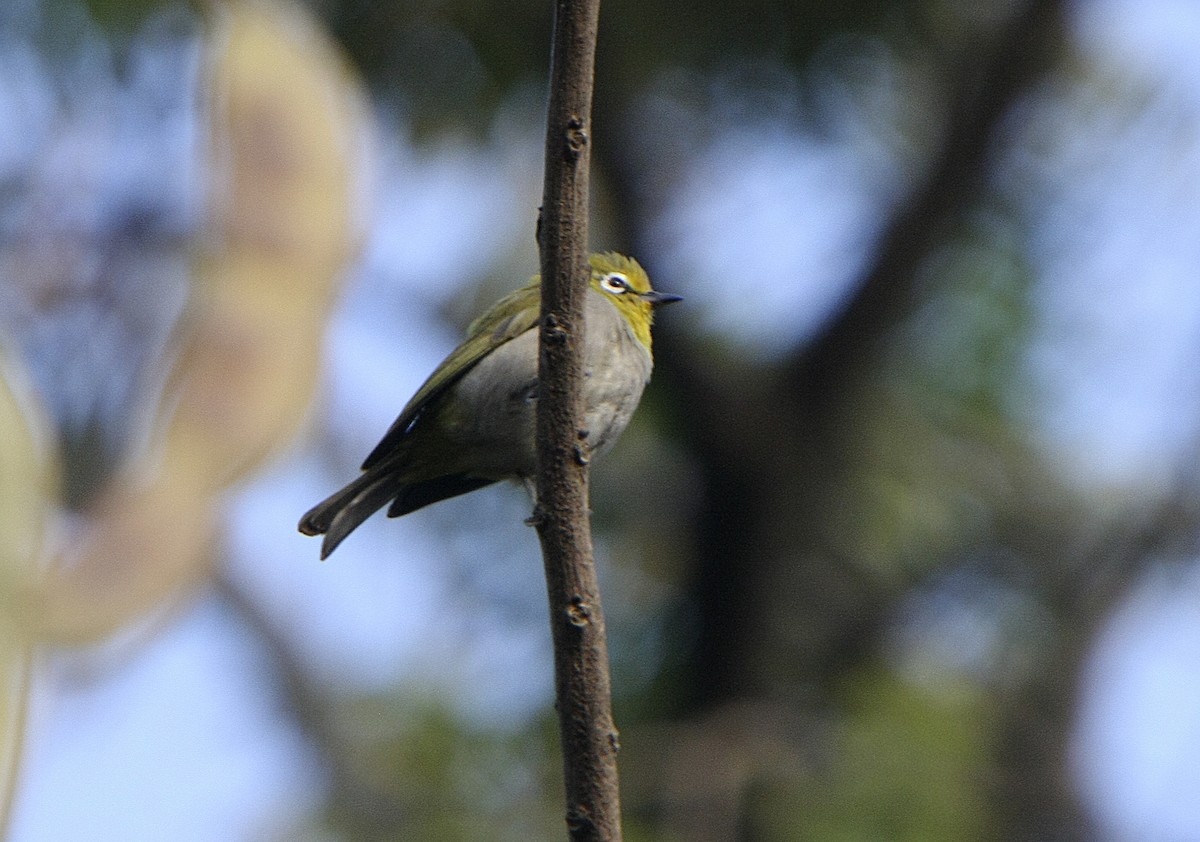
(615, 282)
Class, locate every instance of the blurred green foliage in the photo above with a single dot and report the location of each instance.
(913, 753)
(419, 771)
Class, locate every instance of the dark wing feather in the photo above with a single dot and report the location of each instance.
(383, 479)
(512, 315)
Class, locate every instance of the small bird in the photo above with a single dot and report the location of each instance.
(472, 422)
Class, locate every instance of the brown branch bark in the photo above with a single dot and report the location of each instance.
(582, 682)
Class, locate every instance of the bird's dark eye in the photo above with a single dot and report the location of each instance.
(615, 282)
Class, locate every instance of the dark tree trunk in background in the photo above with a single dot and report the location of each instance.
(783, 611)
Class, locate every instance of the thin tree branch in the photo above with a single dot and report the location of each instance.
(582, 682)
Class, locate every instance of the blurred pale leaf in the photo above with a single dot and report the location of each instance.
(287, 127)
(143, 546)
(27, 489)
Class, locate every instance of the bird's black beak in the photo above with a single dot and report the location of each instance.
(657, 299)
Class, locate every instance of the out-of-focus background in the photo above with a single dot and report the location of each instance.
(902, 544)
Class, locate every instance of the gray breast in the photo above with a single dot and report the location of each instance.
(497, 398)
(616, 367)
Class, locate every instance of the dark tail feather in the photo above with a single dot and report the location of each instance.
(342, 513)
(420, 494)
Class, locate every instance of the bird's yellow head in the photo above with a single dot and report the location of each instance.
(626, 284)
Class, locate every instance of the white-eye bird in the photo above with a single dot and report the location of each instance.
(472, 422)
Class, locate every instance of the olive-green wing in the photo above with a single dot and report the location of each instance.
(508, 318)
